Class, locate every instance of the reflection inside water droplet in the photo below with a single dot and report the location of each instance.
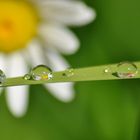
(41, 72)
(2, 77)
(126, 70)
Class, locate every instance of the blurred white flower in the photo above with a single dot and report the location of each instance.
(35, 32)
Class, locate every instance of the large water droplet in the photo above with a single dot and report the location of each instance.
(126, 70)
(41, 72)
(68, 72)
(2, 77)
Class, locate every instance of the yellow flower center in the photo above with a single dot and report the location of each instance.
(18, 24)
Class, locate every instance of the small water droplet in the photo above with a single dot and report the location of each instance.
(41, 72)
(27, 77)
(107, 70)
(2, 77)
(126, 70)
(68, 72)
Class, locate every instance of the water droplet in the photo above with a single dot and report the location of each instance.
(27, 77)
(41, 72)
(107, 70)
(2, 77)
(68, 72)
(126, 70)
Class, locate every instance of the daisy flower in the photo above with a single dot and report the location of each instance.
(35, 32)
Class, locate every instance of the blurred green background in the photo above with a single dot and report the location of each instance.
(103, 110)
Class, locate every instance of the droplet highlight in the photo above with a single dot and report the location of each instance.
(41, 72)
(126, 70)
(2, 77)
(107, 70)
(68, 72)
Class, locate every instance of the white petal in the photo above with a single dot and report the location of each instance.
(3, 63)
(17, 100)
(67, 12)
(62, 91)
(17, 65)
(60, 37)
(17, 97)
(57, 62)
(34, 53)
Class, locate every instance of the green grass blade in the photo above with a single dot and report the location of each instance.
(82, 74)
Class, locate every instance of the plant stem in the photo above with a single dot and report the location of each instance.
(82, 74)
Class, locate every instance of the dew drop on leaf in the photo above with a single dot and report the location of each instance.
(27, 77)
(68, 72)
(2, 77)
(107, 70)
(126, 70)
(41, 72)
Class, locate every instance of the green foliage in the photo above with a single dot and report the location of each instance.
(103, 110)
